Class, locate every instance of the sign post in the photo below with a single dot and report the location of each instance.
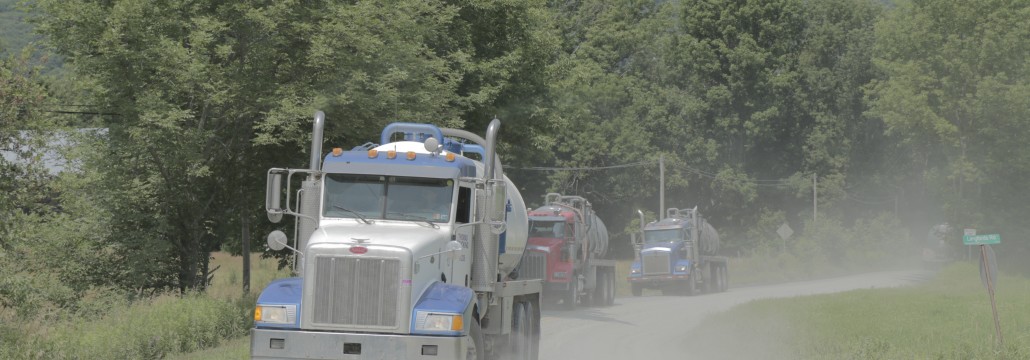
(988, 271)
(784, 232)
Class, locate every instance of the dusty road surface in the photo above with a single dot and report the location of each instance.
(647, 327)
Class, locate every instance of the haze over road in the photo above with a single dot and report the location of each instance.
(651, 326)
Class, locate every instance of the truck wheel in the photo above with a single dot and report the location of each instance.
(724, 278)
(521, 338)
(610, 297)
(571, 296)
(478, 349)
(691, 287)
(712, 279)
(600, 297)
(636, 289)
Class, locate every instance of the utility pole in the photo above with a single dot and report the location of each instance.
(815, 199)
(246, 252)
(661, 186)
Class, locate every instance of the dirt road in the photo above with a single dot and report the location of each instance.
(650, 327)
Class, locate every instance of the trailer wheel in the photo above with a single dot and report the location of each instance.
(724, 278)
(571, 296)
(600, 297)
(610, 296)
(636, 289)
(478, 349)
(712, 279)
(522, 332)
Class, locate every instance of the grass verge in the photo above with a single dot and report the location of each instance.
(946, 318)
(160, 327)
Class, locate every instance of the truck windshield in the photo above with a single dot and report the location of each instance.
(547, 229)
(387, 197)
(653, 236)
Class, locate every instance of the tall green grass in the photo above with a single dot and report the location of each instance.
(946, 318)
(152, 328)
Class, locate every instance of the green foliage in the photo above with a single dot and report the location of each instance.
(210, 94)
(954, 96)
(147, 330)
(730, 92)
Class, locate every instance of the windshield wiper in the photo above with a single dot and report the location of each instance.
(414, 217)
(362, 217)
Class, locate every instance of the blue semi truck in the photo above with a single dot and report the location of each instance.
(678, 255)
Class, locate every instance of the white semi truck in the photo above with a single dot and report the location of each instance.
(404, 250)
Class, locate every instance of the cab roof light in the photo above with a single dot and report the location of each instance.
(411, 155)
(337, 151)
(450, 157)
(372, 154)
(391, 154)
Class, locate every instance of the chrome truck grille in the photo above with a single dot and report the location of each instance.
(356, 291)
(655, 262)
(534, 266)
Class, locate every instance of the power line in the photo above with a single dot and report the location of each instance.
(585, 168)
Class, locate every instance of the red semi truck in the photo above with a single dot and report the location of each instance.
(566, 249)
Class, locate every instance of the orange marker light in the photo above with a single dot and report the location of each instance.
(372, 154)
(457, 324)
(257, 313)
(337, 151)
(450, 157)
(391, 154)
(411, 155)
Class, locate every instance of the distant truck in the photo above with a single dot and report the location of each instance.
(405, 250)
(936, 251)
(678, 256)
(567, 248)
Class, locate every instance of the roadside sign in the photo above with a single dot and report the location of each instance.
(785, 231)
(987, 239)
(989, 276)
(989, 266)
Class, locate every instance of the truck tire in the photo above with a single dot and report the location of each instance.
(691, 287)
(571, 295)
(610, 297)
(600, 297)
(478, 349)
(636, 289)
(724, 277)
(520, 341)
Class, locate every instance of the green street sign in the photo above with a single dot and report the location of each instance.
(987, 239)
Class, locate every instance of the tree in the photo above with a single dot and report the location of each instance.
(210, 94)
(955, 96)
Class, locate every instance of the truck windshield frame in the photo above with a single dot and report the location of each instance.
(664, 235)
(381, 197)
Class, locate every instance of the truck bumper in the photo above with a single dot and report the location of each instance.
(658, 279)
(300, 344)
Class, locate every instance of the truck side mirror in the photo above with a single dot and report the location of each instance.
(276, 240)
(273, 194)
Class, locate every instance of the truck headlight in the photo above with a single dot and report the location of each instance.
(439, 322)
(275, 314)
(682, 268)
(634, 271)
